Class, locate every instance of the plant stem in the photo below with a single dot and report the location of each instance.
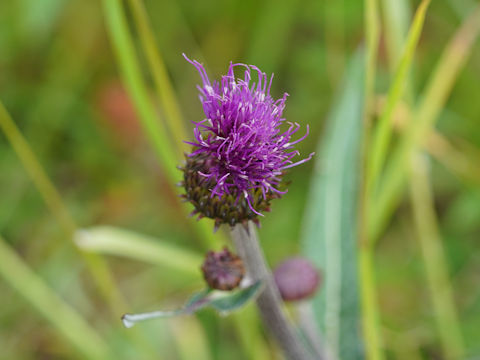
(436, 267)
(66, 320)
(269, 301)
(95, 264)
(156, 131)
(370, 310)
(164, 88)
(432, 101)
(384, 129)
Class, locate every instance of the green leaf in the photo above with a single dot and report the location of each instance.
(422, 120)
(222, 301)
(236, 300)
(330, 232)
(67, 322)
(119, 242)
(384, 129)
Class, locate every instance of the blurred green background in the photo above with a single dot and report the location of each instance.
(60, 82)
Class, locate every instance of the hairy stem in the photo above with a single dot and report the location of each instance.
(269, 302)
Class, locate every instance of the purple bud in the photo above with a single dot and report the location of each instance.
(296, 279)
(223, 270)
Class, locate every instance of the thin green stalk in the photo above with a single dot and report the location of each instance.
(372, 34)
(370, 314)
(384, 129)
(62, 316)
(164, 88)
(132, 76)
(129, 67)
(396, 19)
(435, 96)
(436, 267)
(119, 242)
(95, 264)
(456, 160)
(36, 171)
(368, 293)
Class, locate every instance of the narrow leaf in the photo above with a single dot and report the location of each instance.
(435, 95)
(65, 319)
(223, 302)
(384, 128)
(119, 242)
(436, 264)
(330, 234)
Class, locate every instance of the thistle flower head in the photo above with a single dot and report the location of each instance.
(240, 141)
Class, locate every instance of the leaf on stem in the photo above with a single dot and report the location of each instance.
(222, 301)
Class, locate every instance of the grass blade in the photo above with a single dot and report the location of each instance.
(129, 66)
(330, 237)
(36, 172)
(164, 88)
(95, 264)
(62, 316)
(439, 87)
(132, 76)
(441, 292)
(370, 315)
(114, 241)
(384, 129)
(372, 34)
(396, 19)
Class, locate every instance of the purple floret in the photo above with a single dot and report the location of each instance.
(241, 133)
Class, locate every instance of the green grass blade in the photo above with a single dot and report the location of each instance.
(372, 34)
(439, 87)
(97, 267)
(62, 316)
(396, 19)
(330, 236)
(384, 129)
(436, 265)
(35, 171)
(164, 88)
(132, 76)
(129, 67)
(370, 315)
(114, 241)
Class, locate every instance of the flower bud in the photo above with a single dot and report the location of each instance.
(223, 270)
(296, 279)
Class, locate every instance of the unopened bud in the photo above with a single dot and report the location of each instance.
(296, 279)
(223, 270)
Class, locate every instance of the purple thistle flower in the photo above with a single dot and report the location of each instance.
(241, 135)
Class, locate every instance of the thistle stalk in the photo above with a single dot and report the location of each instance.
(269, 301)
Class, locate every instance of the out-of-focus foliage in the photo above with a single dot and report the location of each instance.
(60, 82)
